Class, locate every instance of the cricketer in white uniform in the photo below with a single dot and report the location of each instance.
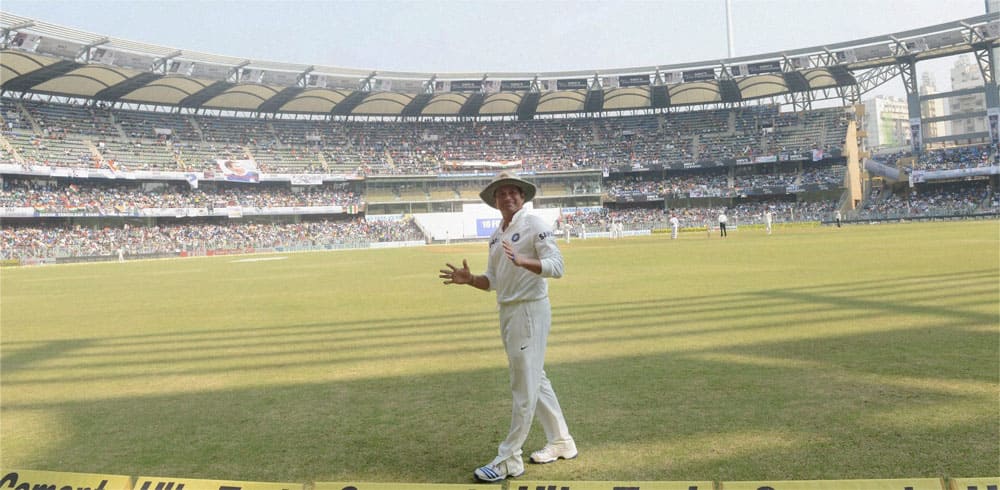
(522, 254)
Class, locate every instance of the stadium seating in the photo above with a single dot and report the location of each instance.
(286, 145)
(89, 136)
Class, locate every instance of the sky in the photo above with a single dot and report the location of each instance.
(483, 36)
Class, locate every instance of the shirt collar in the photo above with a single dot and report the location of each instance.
(518, 216)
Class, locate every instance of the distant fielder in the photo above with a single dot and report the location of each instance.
(522, 253)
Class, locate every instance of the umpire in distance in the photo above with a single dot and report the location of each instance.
(522, 254)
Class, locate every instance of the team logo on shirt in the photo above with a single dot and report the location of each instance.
(516, 237)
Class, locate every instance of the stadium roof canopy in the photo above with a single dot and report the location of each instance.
(39, 59)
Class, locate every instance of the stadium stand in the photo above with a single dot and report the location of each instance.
(24, 243)
(301, 146)
(159, 151)
(967, 198)
(691, 163)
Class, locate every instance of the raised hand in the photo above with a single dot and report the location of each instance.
(455, 275)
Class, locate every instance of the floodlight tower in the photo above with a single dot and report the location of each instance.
(993, 7)
(729, 27)
(989, 65)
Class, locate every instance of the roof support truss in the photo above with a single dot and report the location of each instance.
(235, 72)
(85, 53)
(984, 58)
(160, 64)
(366, 83)
(7, 34)
(908, 72)
(868, 80)
(302, 79)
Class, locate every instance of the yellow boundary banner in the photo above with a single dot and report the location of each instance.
(57, 480)
(164, 483)
(895, 484)
(609, 485)
(992, 483)
(400, 486)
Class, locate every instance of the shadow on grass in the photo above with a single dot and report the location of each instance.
(645, 319)
(914, 402)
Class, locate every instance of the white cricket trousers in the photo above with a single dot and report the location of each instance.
(524, 327)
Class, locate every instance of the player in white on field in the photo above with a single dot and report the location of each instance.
(522, 253)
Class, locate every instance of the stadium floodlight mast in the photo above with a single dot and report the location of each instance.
(729, 28)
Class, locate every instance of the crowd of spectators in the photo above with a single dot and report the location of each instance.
(742, 213)
(144, 141)
(955, 158)
(944, 200)
(829, 175)
(680, 185)
(102, 137)
(41, 241)
(34, 242)
(946, 158)
(749, 180)
(107, 199)
(783, 211)
(716, 183)
(695, 185)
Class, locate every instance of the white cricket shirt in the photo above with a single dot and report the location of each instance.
(530, 237)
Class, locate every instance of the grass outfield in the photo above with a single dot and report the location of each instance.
(861, 352)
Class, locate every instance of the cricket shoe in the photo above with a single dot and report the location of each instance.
(555, 450)
(496, 471)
